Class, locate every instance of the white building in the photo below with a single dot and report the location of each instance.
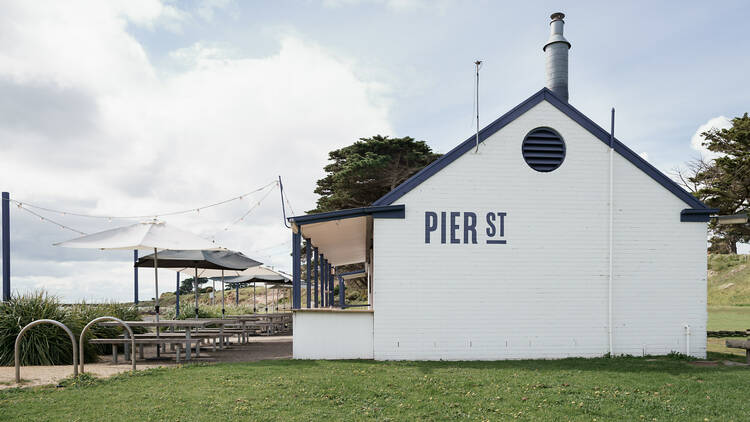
(552, 240)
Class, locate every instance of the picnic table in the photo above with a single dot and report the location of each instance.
(187, 324)
(269, 321)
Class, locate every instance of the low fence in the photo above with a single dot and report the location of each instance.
(728, 333)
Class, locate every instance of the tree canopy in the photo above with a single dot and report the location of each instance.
(368, 169)
(724, 182)
(186, 286)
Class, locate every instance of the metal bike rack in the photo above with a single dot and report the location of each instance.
(43, 321)
(108, 318)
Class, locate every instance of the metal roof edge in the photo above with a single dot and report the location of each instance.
(381, 211)
(568, 110)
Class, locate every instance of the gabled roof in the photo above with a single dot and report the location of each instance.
(568, 110)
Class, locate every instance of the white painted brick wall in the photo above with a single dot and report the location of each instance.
(332, 335)
(544, 293)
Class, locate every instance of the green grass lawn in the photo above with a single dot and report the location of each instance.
(629, 389)
(729, 318)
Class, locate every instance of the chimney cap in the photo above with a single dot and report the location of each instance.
(556, 31)
(557, 16)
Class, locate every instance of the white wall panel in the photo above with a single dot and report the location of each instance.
(332, 335)
(544, 293)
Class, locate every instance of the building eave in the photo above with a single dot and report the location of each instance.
(526, 105)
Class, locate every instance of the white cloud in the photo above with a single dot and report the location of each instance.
(696, 142)
(395, 5)
(117, 135)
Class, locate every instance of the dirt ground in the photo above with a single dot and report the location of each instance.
(259, 348)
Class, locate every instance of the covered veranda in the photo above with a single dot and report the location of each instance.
(333, 240)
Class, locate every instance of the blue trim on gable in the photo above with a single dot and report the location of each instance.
(460, 150)
(692, 215)
(568, 110)
(387, 211)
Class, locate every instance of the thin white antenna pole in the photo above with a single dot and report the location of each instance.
(477, 66)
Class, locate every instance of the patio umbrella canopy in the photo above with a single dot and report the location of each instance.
(153, 234)
(204, 259)
(186, 260)
(147, 235)
(253, 275)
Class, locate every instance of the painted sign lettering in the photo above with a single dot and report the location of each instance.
(461, 227)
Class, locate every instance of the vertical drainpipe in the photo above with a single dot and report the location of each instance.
(6, 245)
(308, 257)
(177, 296)
(315, 275)
(296, 294)
(610, 331)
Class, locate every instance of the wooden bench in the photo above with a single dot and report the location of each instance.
(140, 342)
(740, 344)
(201, 335)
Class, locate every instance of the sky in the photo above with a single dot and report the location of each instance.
(142, 107)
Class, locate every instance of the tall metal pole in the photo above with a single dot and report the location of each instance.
(315, 275)
(296, 270)
(265, 288)
(308, 257)
(254, 308)
(237, 294)
(195, 283)
(156, 299)
(6, 245)
(321, 265)
(135, 277)
(177, 295)
(332, 270)
(223, 311)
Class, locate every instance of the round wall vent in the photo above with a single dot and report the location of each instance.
(543, 149)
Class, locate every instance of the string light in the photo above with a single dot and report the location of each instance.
(48, 220)
(256, 205)
(132, 217)
(25, 206)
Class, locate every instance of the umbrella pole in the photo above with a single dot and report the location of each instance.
(265, 287)
(156, 300)
(254, 310)
(213, 291)
(222, 293)
(195, 281)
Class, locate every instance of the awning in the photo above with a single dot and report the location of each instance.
(341, 236)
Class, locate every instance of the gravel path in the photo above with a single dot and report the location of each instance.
(259, 348)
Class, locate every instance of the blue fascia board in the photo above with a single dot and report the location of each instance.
(692, 215)
(568, 110)
(386, 211)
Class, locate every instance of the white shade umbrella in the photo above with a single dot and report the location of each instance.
(147, 235)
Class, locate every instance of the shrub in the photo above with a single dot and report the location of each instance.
(44, 344)
(47, 344)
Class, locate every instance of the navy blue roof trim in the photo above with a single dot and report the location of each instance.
(570, 111)
(386, 211)
(697, 215)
